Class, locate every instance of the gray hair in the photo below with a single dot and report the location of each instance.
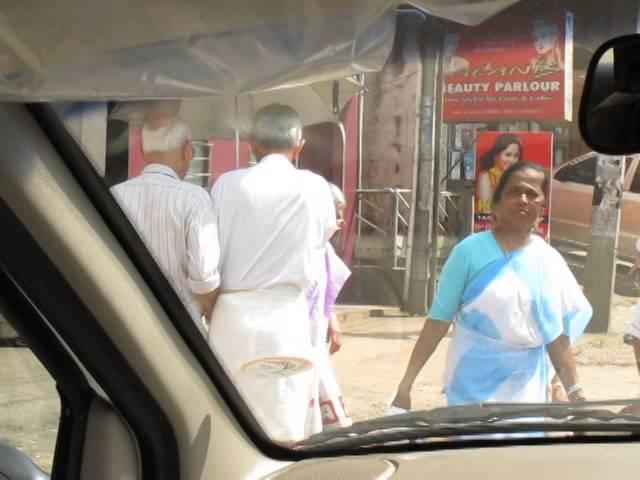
(277, 126)
(336, 193)
(165, 137)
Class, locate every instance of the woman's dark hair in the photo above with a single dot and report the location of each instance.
(516, 167)
(502, 143)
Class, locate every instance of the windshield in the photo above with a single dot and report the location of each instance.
(432, 235)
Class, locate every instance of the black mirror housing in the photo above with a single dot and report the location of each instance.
(609, 117)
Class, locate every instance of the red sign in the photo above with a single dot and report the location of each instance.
(509, 70)
(497, 151)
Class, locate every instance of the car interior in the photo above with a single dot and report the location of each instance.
(136, 390)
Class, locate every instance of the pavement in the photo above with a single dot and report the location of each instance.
(376, 348)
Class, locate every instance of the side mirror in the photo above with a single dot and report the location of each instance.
(609, 115)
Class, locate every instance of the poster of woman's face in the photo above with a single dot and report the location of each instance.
(545, 37)
(495, 153)
(452, 62)
(509, 68)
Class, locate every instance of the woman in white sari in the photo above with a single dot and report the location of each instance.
(325, 329)
(514, 304)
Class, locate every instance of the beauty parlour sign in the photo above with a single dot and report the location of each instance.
(509, 69)
(497, 151)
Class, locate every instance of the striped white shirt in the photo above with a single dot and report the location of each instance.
(175, 219)
(274, 222)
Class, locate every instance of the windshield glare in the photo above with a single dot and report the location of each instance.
(436, 236)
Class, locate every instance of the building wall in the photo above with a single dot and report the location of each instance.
(389, 124)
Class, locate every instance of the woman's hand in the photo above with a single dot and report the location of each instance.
(558, 393)
(433, 331)
(577, 395)
(402, 398)
(563, 360)
(334, 334)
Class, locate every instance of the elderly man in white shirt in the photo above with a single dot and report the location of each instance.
(175, 218)
(274, 222)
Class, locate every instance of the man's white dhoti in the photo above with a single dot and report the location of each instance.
(262, 339)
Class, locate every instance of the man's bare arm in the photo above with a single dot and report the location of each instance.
(207, 302)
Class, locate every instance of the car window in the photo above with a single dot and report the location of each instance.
(325, 323)
(583, 173)
(29, 403)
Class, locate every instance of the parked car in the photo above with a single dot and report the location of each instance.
(571, 198)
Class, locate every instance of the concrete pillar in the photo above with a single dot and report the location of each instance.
(600, 269)
(424, 213)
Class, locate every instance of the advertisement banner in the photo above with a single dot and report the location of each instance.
(510, 69)
(497, 151)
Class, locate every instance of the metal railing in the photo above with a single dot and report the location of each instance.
(449, 214)
(390, 228)
(199, 173)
